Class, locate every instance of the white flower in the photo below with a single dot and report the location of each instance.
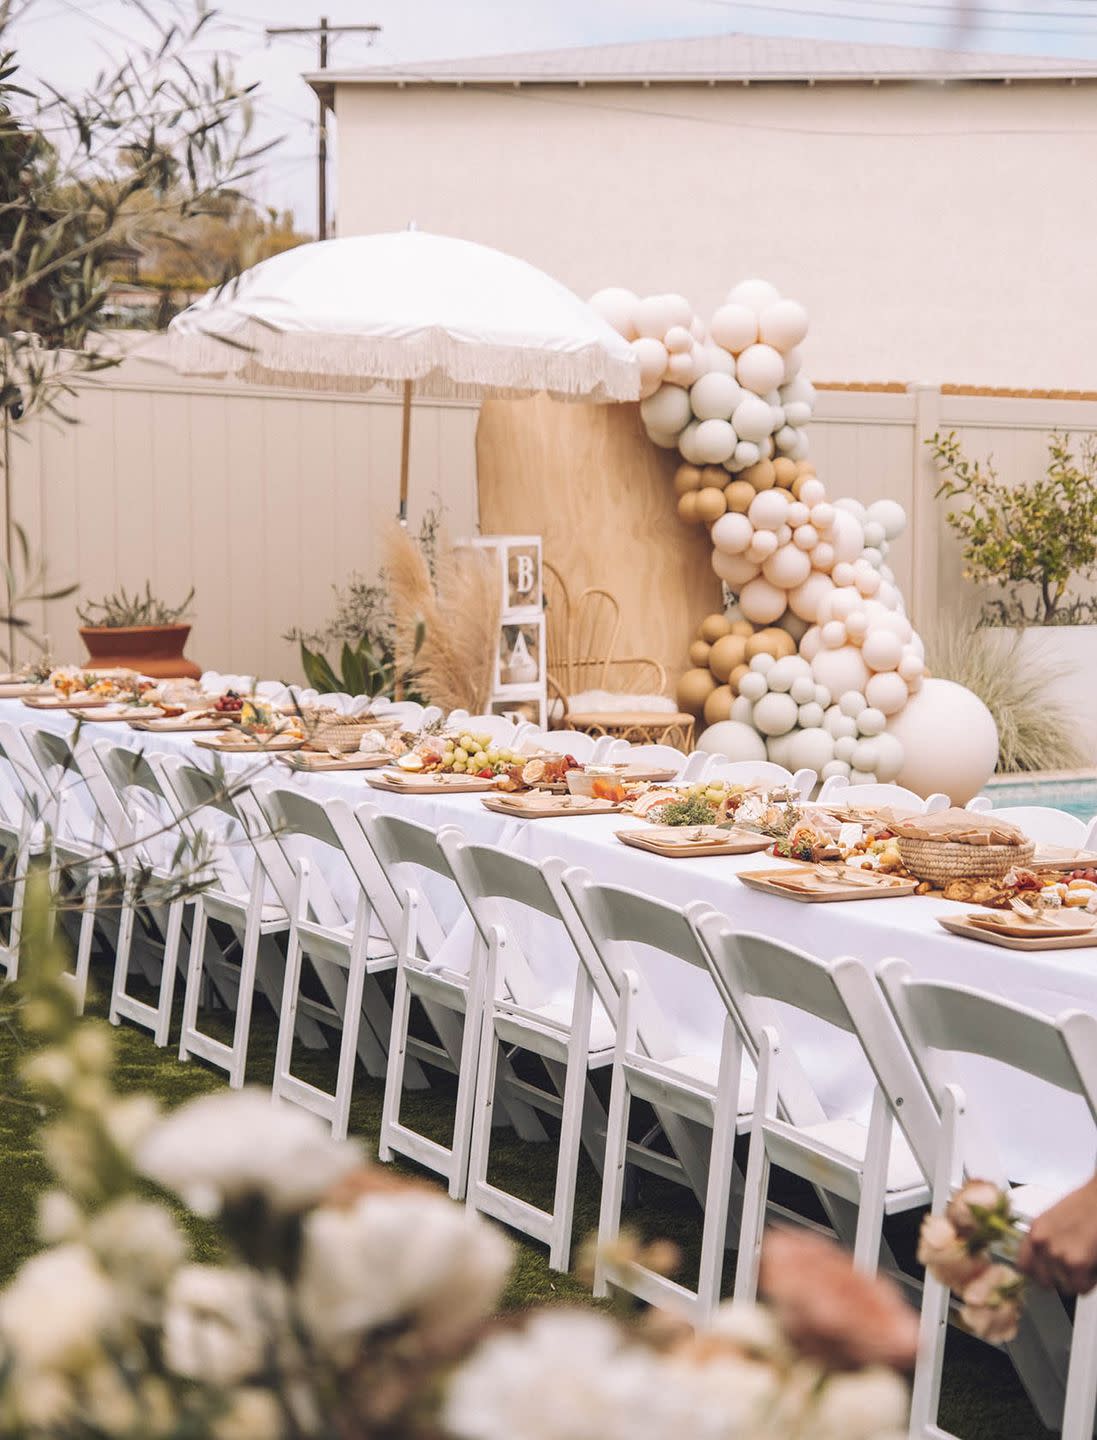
(138, 1243)
(42, 1399)
(129, 1120)
(224, 1147)
(253, 1414)
(109, 1400)
(860, 1406)
(219, 1324)
(727, 1396)
(59, 1217)
(57, 1309)
(397, 1255)
(567, 1375)
(752, 1328)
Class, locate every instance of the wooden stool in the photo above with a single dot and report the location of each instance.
(653, 728)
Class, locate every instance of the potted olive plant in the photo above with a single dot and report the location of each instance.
(137, 632)
(1035, 544)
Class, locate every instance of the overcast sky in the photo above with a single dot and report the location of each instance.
(65, 41)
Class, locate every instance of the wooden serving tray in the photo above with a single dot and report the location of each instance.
(58, 702)
(175, 725)
(542, 806)
(401, 783)
(1062, 857)
(20, 689)
(675, 842)
(319, 762)
(962, 925)
(812, 884)
(241, 745)
(130, 714)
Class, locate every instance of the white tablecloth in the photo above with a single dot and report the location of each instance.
(1038, 1131)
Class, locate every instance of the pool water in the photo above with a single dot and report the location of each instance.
(1075, 796)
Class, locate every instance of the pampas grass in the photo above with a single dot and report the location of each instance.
(447, 629)
(1035, 732)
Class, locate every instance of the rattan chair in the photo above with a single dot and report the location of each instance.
(581, 638)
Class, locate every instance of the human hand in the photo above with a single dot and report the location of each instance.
(1060, 1249)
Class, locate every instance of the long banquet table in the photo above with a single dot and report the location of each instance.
(1040, 1133)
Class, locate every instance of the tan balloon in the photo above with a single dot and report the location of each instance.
(739, 495)
(762, 476)
(713, 626)
(718, 705)
(687, 507)
(742, 627)
(771, 641)
(699, 652)
(694, 688)
(736, 675)
(710, 504)
(726, 654)
(714, 475)
(784, 472)
(686, 478)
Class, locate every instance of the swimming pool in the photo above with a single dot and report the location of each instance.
(1077, 795)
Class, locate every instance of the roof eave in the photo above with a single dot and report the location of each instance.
(324, 82)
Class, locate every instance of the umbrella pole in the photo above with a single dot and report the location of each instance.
(405, 446)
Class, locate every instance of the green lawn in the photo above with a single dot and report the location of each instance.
(982, 1397)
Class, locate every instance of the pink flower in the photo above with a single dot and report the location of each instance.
(829, 1311)
(992, 1304)
(946, 1256)
(972, 1206)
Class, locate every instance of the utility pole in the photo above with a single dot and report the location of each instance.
(322, 30)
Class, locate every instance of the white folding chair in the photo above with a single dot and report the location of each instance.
(653, 757)
(553, 1016)
(23, 835)
(147, 842)
(684, 1076)
(410, 856)
(758, 772)
(203, 805)
(77, 840)
(335, 938)
(872, 1167)
(409, 712)
(1046, 825)
(980, 804)
(939, 1023)
(501, 730)
(576, 743)
(838, 788)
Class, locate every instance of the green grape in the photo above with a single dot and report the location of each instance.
(461, 753)
(459, 766)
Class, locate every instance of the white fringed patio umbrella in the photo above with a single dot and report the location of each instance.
(420, 313)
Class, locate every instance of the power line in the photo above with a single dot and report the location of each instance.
(769, 8)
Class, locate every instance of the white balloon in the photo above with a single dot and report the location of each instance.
(882, 650)
(835, 768)
(798, 389)
(651, 356)
(759, 368)
(788, 567)
(678, 340)
(806, 537)
(887, 691)
(762, 602)
(833, 634)
(763, 663)
(761, 547)
(742, 709)
(714, 396)
(734, 327)
(759, 295)
(803, 688)
(714, 441)
(811, 644)
(617, 306)
(768, 509)
(788, 440)
(889, 757)
(685, 442)
(949, 740)
(811, 749)
(752, 418)
(865, 755)
(822, 695)
(732, 533)
(794, 360)
(668, 410)
(891, 515)
(871, 721)
(737, 742)
(783, 325)
(718, 360)
(809, 716)
(774, 714)
(653, 316)
(840, 670)
(852, 703)
(797, 413)
(783, 673)
(733, 570)
(822, 557)
(753, 685)
(746, 454)
(846, 536)
(844, 746)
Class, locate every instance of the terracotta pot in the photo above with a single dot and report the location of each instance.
(155, 650)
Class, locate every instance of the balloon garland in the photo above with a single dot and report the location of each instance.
(816, 658)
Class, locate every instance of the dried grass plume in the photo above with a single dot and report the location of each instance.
(457, 616)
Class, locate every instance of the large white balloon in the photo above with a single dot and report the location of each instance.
(736, 741)
(759, 295)
(734, 327)
(667, 411)
(715, 396)
(760, 368)
(752, 418)
(949, 740)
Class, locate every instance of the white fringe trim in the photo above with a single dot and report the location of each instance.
(436, 363)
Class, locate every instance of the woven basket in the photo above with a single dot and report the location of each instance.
(325, 731)
(940, 861)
